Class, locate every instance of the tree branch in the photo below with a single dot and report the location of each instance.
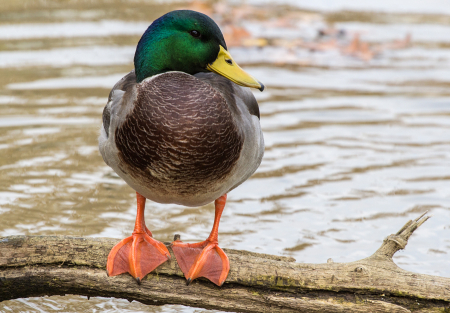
(59, 265)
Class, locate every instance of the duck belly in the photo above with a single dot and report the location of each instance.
(182, 169)
(192, 170)
(178, 147)
(177, 140)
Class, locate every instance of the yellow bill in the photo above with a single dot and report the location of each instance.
(225, 65)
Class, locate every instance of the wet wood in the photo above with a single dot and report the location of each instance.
(59, 265)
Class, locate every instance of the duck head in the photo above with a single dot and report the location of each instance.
(189, 42)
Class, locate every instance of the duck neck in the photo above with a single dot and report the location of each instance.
(150, 58)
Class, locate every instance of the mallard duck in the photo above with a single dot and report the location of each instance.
(180, 129)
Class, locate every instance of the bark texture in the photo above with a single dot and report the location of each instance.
(59, 265)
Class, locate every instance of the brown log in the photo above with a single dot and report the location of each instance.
(60, 265)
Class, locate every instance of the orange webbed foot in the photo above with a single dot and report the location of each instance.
(203, 259)
(138, 255)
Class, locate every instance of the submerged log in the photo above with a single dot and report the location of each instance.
(60, 265)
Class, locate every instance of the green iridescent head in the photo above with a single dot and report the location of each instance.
(190, 42)
(181, 40)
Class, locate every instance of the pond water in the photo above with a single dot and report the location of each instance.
(356, 125)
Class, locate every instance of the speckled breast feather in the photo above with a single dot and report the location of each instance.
(180, 136)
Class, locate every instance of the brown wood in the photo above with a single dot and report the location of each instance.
(59, 265)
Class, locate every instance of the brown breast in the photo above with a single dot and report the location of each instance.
(180, 136)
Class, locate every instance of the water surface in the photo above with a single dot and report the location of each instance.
(355, 145)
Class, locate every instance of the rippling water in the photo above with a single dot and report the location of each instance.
(353, 148)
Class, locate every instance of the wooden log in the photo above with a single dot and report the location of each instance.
(60, 265)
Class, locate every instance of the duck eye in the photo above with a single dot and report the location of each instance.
(195, 33)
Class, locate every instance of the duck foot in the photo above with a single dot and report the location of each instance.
(138, 254)
(206, 258)
(203, 259)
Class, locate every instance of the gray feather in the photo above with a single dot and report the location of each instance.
(107, 118)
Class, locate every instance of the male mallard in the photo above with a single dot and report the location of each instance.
(179, 129)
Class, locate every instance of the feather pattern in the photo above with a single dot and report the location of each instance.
(180, 138)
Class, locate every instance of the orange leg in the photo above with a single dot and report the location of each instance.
(204, 259)
(138, 254)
